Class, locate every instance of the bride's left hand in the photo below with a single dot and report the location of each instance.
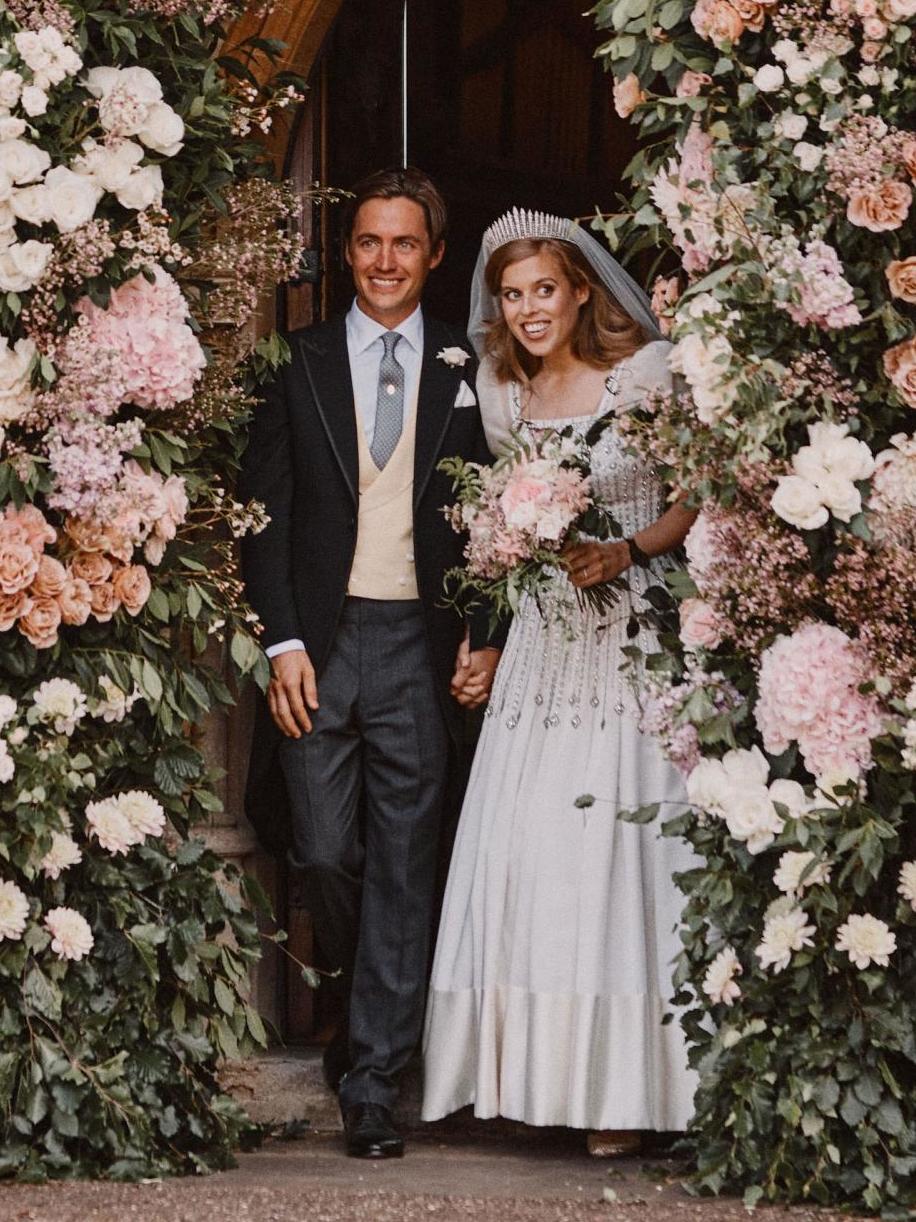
(589, 564)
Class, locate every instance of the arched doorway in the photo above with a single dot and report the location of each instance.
(501, 101)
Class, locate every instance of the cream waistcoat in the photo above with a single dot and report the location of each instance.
(383, 566)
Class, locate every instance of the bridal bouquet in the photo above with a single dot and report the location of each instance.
(520, 513)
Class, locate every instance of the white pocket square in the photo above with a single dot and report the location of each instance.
(465, 396)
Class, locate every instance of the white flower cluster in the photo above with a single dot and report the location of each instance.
(824, 478)
(115, 704)
(785, 930)
(124, 820)
(735, 789)
(705, 360)
(130, 104)
(59, 703)
(49, 61)
(71, 936)
(719, 983)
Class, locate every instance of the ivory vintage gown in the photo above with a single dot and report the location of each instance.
(553, 965)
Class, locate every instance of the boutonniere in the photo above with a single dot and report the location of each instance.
(453, 356)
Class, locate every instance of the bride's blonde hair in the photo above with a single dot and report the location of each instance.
(604, 335)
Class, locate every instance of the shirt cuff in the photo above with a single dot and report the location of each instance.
(273, 651)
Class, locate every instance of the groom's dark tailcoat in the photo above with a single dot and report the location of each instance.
(302, 462)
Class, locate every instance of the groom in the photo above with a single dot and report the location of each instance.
(368, 668)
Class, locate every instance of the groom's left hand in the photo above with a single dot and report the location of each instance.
(473, 677)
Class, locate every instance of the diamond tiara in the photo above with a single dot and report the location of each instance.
(521, 223)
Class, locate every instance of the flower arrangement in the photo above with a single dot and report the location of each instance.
(519, 515)
(778, 172)
(137, 227)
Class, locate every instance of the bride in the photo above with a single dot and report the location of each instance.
(554, 958)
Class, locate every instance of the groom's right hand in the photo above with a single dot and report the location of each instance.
(292, 692)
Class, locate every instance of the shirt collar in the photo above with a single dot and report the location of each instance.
(363, 331)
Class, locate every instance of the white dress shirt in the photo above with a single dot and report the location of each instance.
(365, 350)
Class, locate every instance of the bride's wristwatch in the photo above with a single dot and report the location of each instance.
(637, 555)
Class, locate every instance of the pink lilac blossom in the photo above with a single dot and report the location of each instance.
(675, 710)
(819, 294)
(86, 458)
(809, 694)
(682, 191)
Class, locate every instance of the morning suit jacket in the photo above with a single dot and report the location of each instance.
(302, 463)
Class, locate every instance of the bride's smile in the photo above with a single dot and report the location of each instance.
(540, 305)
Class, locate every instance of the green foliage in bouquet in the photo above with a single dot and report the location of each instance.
(776, 181)
(139, 227)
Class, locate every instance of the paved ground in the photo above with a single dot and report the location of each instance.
(527, 1176)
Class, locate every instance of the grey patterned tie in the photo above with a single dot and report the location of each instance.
(389, 405)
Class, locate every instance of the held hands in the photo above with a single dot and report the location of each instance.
(590, 564)
(473, 677)
(293, 692)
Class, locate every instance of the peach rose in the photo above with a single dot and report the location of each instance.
(901, 278)
(665, 293)
(881, 207)
(18, 566)
(701, 626)
(88, 536)
(40, 623)
(12, 606)
(751, 13)
(92, 567)
(900, 367)
(51, 578)
(627, 95)
(104, 601)
(871, 51)
(691, 83)
(75, 601)
(717, 21)
(908, 156)
(132, 587)
(36, 527)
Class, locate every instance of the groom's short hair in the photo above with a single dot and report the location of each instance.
(392, 183)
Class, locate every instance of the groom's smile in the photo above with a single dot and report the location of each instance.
(390, 253)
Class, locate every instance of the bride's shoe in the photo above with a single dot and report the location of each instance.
(614, 1143)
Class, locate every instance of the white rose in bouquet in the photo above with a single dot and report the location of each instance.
(841, 497)
(142, 189)
(10, 128)
(22, 161)
(31, 204)
(790, 126)
(792, 796)
(34, 100)
(831, 447)
(163, 131)
(798, 502)
(10, 88)
(708, 787)
(746, 768)
(109, 165)
(751, 816)
(72, 198)
(22, 265)
(16, 396)
(769, 78)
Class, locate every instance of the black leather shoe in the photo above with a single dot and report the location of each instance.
(335, 1060)
(370, 1132)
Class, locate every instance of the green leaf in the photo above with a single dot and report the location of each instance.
(41, 995)
(224, 996)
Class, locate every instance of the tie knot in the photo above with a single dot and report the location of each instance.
(390, 339)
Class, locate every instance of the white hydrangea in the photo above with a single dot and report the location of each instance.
(719, 983)
(60, 703)
(63, 853)
(783, 933)
(71, 936)
(14, 911)
(141, 810)
(111, 827)
(792, 866)
(907, 885)
(866, 940)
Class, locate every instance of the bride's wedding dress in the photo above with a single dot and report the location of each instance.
(553, 966)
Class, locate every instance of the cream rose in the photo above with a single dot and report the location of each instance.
(16, 397)
(881, 207)
(91, 567)
(10, 88)
(72, 198)
(18, 566)
(900, 367)
(22, 161)
(627, 95)
(12, 606)
(104, 601)
(50, 579)
(769, 78)
(901, 278)
(109, 166)
(22, 264)
(142, 189)
(798, 502)
(163, 131)
(31, 204)
(34, 100)
(132, 587)
(809, 156)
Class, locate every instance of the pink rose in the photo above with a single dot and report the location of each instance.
(701, 626)
(522, 497)
(692, 83)
(51, 578)
(29, 518)
(88, 535)
(91, 567)
(880, 207)
(627, 95)
(871, 51)
(75, 601)
(901, 278)
(12, 606)
(717, 21)
(104, 601)
(132, 587)
(900, 367)
(751, 13)
(18, 566)
(908, 156)
(40, 623)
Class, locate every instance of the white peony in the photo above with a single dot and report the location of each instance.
(109, 165)
(60, 703)
(792, 866)
(746, 768)
(71, 937)
(14, 911)
(708, 787)
(31, 204)
(142, 812)
(751, 816)
(34, 100)
(22, 264)
(719, 982)
(16, 396)
(22, 161)
(769, 78)
(783, 933)
(72, 198)
(907, 886)
(63, 853)
(142, 190)
(792, 796)
(798, 502)
(809, 156)
(866, 940)
(110, 826)
(163, 131)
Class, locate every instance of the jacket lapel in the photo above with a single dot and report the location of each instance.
(327, 370)
(439, 384)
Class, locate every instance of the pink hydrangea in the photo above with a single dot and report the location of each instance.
(159, 357)
(809, 693)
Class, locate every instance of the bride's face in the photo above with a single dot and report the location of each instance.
(540, 304)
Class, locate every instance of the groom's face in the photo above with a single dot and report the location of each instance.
(391, 255)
